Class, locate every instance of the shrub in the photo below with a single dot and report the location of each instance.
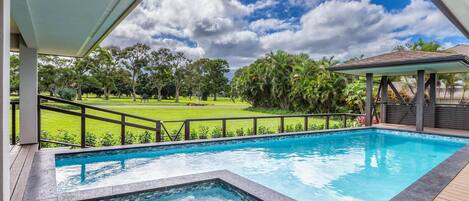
(65, 136)
(203, 132)
(317, 126)
(249, 132)
(216, 132)
(230, 134)
(193, 134)
(130, 137)
(290, 128)
(145, 137)
(335, 126)
(67, 93)
(240, 132)
(299, 127)
(90, 139)
(263, 130)
(108, 139)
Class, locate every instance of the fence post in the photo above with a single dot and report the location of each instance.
(122, 129)
(306, 123)
(39, 121)
(158, 131)
(83, 127)
(223, 127)
(13, 124)
(187, 130)
(344, 120)
(254, 126)
(327, 121)
(282, 124)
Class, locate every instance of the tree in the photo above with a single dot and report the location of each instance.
(14, 74)
(159, 69)
(178, 65)
(104, 69)
(81, 69)
(217, 82)
(134, 58)
(122, 82)
(195, 77)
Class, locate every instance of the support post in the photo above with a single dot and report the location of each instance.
(28, 94)
(223, 127)
(328, 118)
(13, 124)
(5, 99)
(369, 99)
(282, 125)
(432, 94)
(254, 126)
(384, 98)
(187, 130)
(83, 127)
(306, 123)
(158, 131)
(420, 100)
(122, 129)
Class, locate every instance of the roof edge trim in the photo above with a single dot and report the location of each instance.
(447, 12)
(456, 58)
(112, 27)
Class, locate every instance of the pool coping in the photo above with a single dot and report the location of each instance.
(42, 181)
(249, 187)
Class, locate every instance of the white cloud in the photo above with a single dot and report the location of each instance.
(264, 25)
(220, 28)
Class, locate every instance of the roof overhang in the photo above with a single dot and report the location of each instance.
(449, 64)
(67, 27)
(457, 12)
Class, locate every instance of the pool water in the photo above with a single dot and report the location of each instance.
(365, 164)
(208, 191)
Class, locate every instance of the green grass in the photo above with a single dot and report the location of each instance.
(62, 127)
(114, 101)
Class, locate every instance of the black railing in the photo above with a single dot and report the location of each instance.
(14, 106)
(254, 119)
(83, 115)
(160, 129)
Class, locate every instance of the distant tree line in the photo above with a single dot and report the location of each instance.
(131, 71)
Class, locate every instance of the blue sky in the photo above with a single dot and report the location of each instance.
(242, 30)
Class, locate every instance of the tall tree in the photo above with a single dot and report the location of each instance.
(160, 69)
(134, 58)
(104, 69)
(217, 82)
(82, 69)
(178, 64)
(14, 74)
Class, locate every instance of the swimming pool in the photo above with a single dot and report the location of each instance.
(365, 164)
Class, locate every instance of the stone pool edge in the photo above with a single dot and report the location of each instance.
(247, 186)
(42, 184)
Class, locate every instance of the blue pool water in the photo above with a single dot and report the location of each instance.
(209, 191)
(367, 164)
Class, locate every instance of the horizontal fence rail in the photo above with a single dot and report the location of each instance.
(160, 128)
(83, 116)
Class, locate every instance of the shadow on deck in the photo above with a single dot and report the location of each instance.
(21, 159)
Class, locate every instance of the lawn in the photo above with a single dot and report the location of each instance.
(114, 101)
(63, 127)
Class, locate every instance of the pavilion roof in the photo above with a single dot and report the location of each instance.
(407, 62)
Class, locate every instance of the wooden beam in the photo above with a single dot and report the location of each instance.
(393, 88)
(384, 97)
(420, 101)
(369, 100)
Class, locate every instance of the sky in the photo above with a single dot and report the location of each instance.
(242, 30)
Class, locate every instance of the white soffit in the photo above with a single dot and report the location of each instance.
(457, 12)
(68, 27)
(440, 68)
